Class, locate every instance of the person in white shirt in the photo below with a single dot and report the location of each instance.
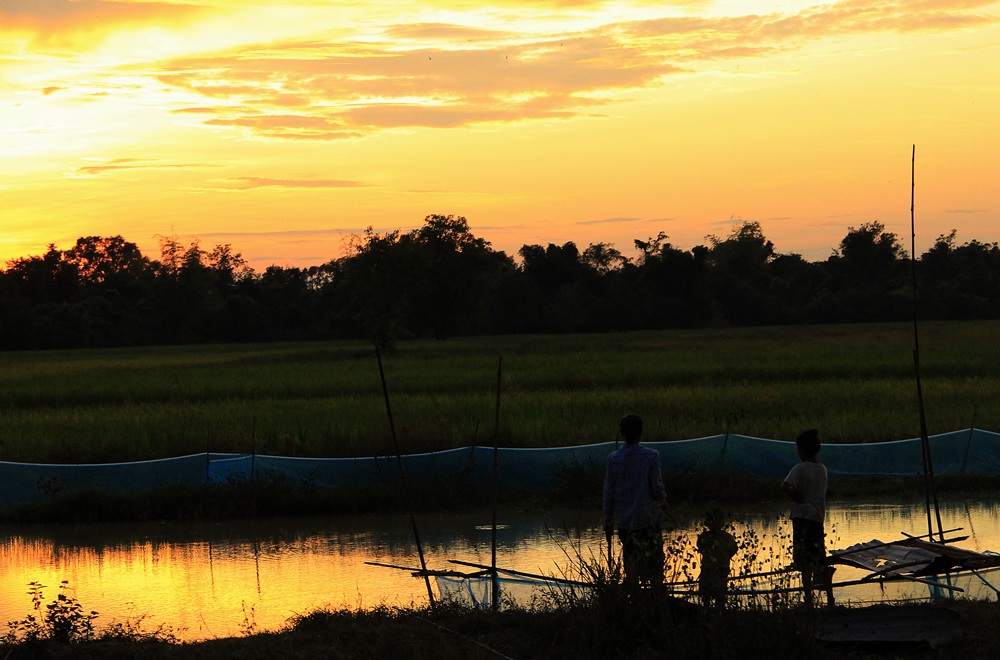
(805, 486)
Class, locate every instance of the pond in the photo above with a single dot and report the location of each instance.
(217, 579)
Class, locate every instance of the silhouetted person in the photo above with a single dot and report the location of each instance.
(805, 486)
(717, 547)
(634, 498)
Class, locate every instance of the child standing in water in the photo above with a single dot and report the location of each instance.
(717, 548)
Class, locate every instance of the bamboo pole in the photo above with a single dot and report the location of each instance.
(930, 491)
(253, 449)
(848, 583)
(402, 479)
(419, 572)
(532, 576)
(495, 582)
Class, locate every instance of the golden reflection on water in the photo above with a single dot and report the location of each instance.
(215, 580)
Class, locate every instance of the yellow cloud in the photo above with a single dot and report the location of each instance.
(694, 111)
(438, 74)
(62, 21)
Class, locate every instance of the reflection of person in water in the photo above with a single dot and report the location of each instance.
(634, 496)
(805, 485)
(717, 547)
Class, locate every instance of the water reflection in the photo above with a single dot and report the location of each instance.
(217, 579)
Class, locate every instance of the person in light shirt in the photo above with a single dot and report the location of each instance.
(634, 498)
(805, 486)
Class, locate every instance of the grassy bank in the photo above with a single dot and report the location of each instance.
(855, 382)
(578, 631)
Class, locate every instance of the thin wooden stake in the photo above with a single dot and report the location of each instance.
(402, 479)
(929, 488)
(253, 449)
(495, 582)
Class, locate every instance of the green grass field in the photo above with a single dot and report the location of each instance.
(854, 382)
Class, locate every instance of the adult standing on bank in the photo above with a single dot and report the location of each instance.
(634, 498)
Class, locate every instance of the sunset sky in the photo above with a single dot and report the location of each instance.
(283, 127)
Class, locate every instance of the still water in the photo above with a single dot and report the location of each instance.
(206, 580)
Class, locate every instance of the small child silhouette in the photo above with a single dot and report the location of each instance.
(717, 547)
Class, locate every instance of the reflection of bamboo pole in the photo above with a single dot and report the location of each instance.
(211, 566)
(402, 478)
(255, 545)
(495, 583)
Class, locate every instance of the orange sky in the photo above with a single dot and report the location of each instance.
(282, 127)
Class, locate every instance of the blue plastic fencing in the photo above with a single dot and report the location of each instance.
(970, 451)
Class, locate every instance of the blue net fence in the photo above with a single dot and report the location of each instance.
(966, 452)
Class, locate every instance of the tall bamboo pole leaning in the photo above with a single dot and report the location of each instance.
(402, 480)
(929, 488)
(495, 581)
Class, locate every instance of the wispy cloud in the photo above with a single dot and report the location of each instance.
(289, 127)
(310, 234)
(608, 221)
(120, 164)
(250, 183)
(346, 90)
(446, 75)
(347, 83)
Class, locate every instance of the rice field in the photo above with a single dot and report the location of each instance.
(854, 382)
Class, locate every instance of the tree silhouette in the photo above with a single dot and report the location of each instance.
(739, 277)
(453, 274)
(960, 281)
(868, 276)
(440, 280)
(111, 261)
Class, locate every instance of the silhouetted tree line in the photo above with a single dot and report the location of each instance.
(440, 280)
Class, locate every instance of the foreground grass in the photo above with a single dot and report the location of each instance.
(854, 382)
(601, 622)
(575, 633)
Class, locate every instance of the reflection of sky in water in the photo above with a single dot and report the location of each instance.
(210, 579)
